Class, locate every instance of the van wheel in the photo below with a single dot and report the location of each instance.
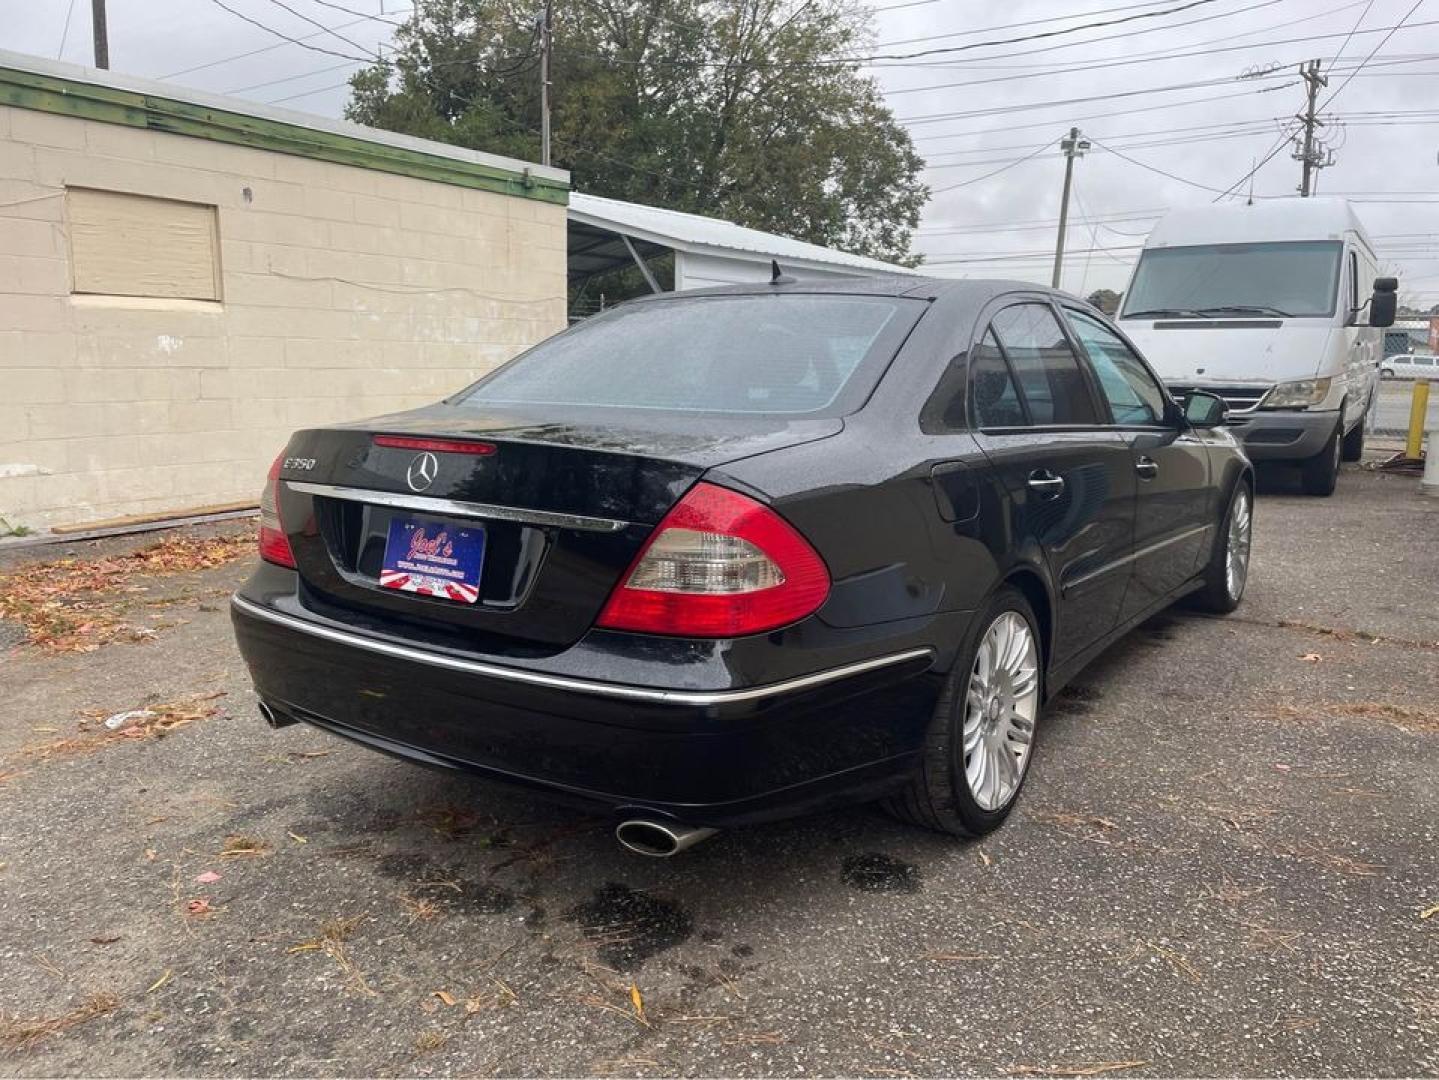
(1228, 570)
(980, 741)
(1353, 446)
(1321, 472)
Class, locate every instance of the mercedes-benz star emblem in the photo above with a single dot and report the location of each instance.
(422, 471)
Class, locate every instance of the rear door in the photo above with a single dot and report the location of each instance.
(1070, 477)
(1174, 509)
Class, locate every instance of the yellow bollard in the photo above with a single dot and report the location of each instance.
(1418, 410)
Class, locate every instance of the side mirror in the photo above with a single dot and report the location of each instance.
(1205, 410)
(1384, 305)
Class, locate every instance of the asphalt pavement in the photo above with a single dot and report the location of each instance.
(1225, 862)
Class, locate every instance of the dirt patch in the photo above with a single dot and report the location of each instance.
(78, 605)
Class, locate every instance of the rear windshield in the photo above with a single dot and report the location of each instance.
(767, 354)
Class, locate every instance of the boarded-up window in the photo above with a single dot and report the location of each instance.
(133, 245)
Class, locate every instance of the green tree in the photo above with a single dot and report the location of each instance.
(742, 109)
(1106, 300)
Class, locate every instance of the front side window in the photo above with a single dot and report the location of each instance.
(1134, 397)
(807, 354)
(1287, 279)
(1050, 379)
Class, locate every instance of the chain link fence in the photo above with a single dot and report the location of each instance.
(1389, 414)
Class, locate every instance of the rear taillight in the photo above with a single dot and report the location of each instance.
(720, 564)
(274, 544)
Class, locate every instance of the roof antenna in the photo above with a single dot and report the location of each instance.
(778, 276)
(1253, 169)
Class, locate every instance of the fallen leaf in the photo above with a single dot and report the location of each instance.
(297, 837)
(151, 854)
(638, 1001)
(1312, 657)
(200, 906)
(984, 857)
(209, 877)
(104, 940)
(161, 981)
(445, 996)
(1429, 912)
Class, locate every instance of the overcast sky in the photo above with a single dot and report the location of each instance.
(999, 109)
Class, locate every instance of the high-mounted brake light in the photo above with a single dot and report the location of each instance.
(274, 544)
(438, 446)
(720, 564)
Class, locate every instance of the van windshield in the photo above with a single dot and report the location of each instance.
(1294, 278)
(817, 355)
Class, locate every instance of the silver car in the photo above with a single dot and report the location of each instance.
(1409, 366)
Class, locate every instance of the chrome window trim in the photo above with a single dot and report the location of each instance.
(1133, 556)
(453, 508)
(564, 682)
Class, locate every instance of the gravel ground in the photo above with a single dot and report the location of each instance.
(1220, 866)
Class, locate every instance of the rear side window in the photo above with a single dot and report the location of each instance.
(1049, 375)
(1133, 395)
(991, 387)
(781, 353)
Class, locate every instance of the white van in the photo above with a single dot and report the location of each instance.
(1276, 308)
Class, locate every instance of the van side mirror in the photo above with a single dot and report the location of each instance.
(1205, 410)
(1384, 305)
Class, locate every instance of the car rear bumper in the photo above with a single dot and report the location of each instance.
(1282, 436)
(704, 756)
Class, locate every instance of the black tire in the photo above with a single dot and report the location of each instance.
(938, 796)
(1385, 373)
(1353, 444)
(1320, 474)
(1216, 596)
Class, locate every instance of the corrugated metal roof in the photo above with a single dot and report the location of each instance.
(696, 233)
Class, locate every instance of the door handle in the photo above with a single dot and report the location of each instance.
(1147, 468)
(1045, 484)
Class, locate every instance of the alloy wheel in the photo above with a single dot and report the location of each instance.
(1000, 709)
(1237, 543)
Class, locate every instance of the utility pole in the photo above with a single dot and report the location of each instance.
(101, 34)
(1309, 151)
(547, 21)
(1073, 145)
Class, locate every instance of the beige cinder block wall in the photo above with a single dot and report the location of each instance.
(344, 292)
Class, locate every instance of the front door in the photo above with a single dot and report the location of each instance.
(1174, 511)
(1070, 479)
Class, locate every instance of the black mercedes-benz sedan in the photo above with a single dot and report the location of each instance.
(724, 556)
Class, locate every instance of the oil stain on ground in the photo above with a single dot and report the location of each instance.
(628, 926)
(874, 872)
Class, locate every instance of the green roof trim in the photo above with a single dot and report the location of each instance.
(111, 105)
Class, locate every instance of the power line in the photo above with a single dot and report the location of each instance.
(1393, 30)
(361, 14)
(1020, 25)
(1153, 168)
(260, 51)
(313, 22)
(1003, 168)
(65, 34)
(292, 40)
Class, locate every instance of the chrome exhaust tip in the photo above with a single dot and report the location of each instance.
(274, 719)
(658, 839)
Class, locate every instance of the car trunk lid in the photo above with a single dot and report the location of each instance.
(560, 506)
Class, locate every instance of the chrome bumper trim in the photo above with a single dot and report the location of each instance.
(454, 508)
(562, 682)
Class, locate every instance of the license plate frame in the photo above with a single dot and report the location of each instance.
(434, 558)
